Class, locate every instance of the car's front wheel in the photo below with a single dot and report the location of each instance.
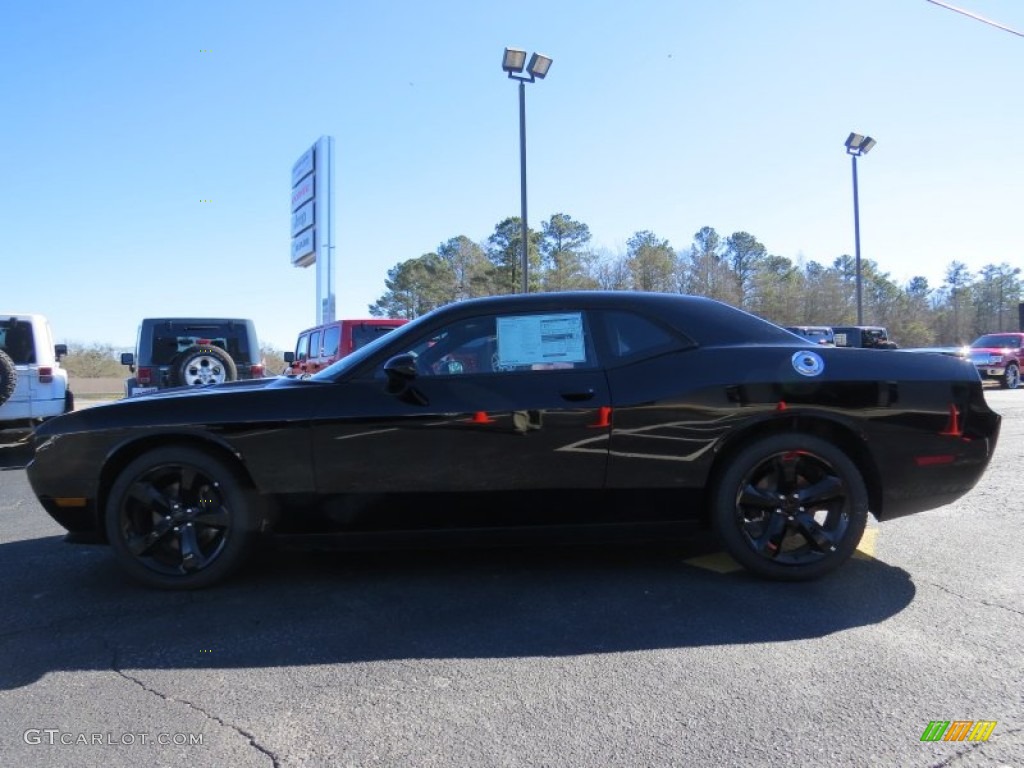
(180, 518)
(1011, 377)
(790, 507)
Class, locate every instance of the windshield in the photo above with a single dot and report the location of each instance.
(995, 340)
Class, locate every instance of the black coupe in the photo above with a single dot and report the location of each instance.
(559, 415)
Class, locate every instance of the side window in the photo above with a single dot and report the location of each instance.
(302, 348)
(314, 344)
(632, 336)
(507, 344)
(332, 336)
(543, 342)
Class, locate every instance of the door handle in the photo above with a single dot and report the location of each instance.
(578, 397)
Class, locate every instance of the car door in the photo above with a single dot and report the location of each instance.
(493, 403)
(664, 428)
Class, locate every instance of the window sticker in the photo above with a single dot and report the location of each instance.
(541, 339)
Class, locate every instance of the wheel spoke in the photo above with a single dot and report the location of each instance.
(140, 544)
(192, 557)
(752, 496)
(819, 538)
(829, 488)
(769, 542)
(149, 497)
(215, 517)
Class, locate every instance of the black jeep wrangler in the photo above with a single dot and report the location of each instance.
(863, 336)
(180, 352)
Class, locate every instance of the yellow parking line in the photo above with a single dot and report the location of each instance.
(866, 548)
(719, 562)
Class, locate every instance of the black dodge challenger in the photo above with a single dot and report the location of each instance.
(564, 416)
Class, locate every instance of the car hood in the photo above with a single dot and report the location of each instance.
(179, 406)
(207, 389)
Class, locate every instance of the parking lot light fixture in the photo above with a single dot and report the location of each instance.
(539, 65)
(513, 62)
(857, 145)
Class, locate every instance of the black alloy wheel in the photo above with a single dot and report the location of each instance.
(179, 518)
(791, 507)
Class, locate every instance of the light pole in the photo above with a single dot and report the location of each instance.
(513, 63)
(857, 145)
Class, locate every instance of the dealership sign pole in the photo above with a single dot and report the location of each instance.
(312, 229)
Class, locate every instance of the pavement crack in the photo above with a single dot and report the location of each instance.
(250, 737)
(987, 603)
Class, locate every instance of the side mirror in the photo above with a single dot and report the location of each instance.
(60, 351)
(289, 357)
(401, 372)
(127, 358)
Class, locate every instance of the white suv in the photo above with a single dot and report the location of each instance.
(33, 386)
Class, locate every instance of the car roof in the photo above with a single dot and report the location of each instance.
(707, 321)
(196, 320)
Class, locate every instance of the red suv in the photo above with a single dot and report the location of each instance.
(320, 346)
(998, 356)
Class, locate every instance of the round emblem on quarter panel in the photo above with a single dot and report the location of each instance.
(808, 363)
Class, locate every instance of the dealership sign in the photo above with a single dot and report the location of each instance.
(312, 226)
(304, 247)
(302, 192)
(303, 206)
(302, 219)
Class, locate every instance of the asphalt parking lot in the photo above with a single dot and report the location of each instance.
(656, 656)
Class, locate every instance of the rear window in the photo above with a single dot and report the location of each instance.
(16, 340)
(630, 335)
(170, 339)
(363, 334)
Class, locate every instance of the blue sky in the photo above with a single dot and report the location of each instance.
(119, 118)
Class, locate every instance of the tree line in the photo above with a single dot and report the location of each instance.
(737, 269)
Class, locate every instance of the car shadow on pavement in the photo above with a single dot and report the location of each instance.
(70, 608)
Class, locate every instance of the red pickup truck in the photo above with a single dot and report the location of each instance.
(998, 356)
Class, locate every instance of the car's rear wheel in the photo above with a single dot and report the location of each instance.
(200, 365)
(1011, 377)
(179, 518)
(790, 507)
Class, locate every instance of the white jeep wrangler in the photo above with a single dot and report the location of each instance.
(33, 386)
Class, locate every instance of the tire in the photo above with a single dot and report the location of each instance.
(8, 377)
(1011, 377)
(762, 508)
(179, 518)
(200, 365)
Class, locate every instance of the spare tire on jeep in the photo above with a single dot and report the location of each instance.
(202, 364)
(8, 377)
